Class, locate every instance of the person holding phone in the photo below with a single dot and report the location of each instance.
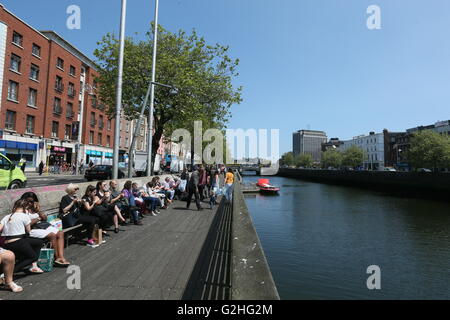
(71, 214)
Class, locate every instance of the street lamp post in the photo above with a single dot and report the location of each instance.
(119, 91)
(152, 94)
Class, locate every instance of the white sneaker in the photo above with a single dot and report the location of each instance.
(154, 214)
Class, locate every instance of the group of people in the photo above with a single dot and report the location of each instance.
(25, 230)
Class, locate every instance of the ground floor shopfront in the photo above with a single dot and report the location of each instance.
(96, 155)
(53, 153)
(16, 148)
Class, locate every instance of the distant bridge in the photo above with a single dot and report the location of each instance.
(259, 170)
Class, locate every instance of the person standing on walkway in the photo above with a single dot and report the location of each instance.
(229, 180)
(22, 164)
(214, 182)
(202, 182)
(193, 189)
(41, 168)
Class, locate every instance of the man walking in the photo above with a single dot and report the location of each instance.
(41, 168)
(193, 189)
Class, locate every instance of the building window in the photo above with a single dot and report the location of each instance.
(91, 137)
(55, 129)
(71, 90)
(93, 119)
(108, 141)
(126, 142)
(109, 124)
(128, 126)
(67, 132)
(101, 123)
(59, 84)
(32, 98)
(10, 123)
(72, 71)
(34, 72)
(36, 50)
(57, 109)
(16, 62)
(13, 91)
(100, 138)
(60, 63)
(94, 101)
(30, 125)
(69, 111)
(17, 39)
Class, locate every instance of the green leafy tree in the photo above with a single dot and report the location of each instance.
(353, 157)
(202, 73)
(288, 159)
(429, 149)
(331, 158)
(304, 160)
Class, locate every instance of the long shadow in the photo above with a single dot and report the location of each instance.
(210, 278)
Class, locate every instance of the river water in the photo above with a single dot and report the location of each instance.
(320, 239)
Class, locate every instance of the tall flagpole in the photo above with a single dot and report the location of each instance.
(152, 95)
(119, 91)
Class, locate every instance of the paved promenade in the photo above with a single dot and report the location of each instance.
(155, 261)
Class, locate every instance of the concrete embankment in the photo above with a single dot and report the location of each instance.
(407, 183)
(251, 275)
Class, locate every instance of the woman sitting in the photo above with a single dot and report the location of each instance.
(41, 229)
(103, 200)
(71, 214)
(14, 227)
(92, 208)
(7, 261)
(143, 199)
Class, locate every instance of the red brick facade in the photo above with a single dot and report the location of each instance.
(46, 109)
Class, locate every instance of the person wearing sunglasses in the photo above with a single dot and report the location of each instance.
(70, 212)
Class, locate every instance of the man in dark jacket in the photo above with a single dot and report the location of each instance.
(193, 189)
(41, 168)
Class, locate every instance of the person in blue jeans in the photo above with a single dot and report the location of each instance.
(128, 194)
(214, 189)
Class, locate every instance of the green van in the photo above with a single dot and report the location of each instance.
(10, 176)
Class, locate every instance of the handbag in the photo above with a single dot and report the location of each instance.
(46, 259)
(43, 225)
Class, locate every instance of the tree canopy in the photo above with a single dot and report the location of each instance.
(304, 160)
(288, 159)
(353, 156)
(429, 149)
(202, 73)
(331, 158)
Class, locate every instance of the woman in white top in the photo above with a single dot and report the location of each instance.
(40, 229)
(14, 228)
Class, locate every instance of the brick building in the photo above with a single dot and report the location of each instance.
(47, 90)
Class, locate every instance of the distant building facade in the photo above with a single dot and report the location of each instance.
(333, 143)
(380, 149)
(309, 142)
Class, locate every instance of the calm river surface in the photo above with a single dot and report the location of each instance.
(319, 240)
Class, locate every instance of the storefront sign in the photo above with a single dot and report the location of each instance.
(59, 149)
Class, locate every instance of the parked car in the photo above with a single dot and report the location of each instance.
(11, 177)
(424, 170)
(390, 169)
(102, 172)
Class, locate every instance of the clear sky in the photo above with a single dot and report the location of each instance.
(304, 63)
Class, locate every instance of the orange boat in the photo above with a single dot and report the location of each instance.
(265, 186)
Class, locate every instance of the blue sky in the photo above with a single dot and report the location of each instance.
(304, 63)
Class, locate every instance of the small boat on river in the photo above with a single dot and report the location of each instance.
(265, 187)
